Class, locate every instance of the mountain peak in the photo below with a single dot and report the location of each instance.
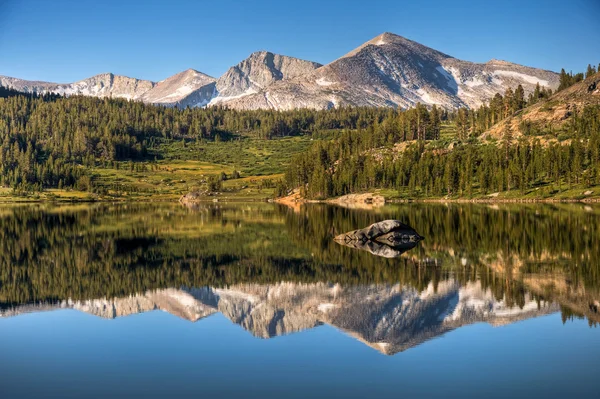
(277, 58)
(190, 73)
(259, 53)
(259, 70)
(385, 38)
(499, 62)
(185, 89)
(395, 43)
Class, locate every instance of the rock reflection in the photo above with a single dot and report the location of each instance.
(388, 239)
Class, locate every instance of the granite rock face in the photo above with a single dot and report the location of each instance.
(186, 89)
(389, 238)
(257, 72)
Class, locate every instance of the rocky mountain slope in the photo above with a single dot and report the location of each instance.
(388, 70)
(103, 85)
(257, 72)
(387, 318)
(186, 89)
(553, 113)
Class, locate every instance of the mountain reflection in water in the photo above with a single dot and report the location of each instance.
(388, 318)
(275, 270)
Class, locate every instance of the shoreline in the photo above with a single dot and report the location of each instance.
(501, 200)
(367, 200)
(376, 200)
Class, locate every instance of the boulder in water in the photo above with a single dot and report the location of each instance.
(389, 238)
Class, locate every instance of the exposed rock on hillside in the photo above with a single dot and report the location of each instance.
(554, 112)
(186, 89)
(103, 85)
(257, 72)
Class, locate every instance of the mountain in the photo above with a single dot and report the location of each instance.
(103, 85)
(258, 71)
(387, 71)
(390, 70)
(388, 318)
(186, 89)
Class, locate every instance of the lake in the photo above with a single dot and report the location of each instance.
(258, 300)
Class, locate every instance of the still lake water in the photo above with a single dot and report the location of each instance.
(257, 300)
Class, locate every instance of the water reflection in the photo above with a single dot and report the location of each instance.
(388, 238)
(276, 270)
(389, 319)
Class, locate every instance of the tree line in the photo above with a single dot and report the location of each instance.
(360, 161)
(569, 79)
(48, 141)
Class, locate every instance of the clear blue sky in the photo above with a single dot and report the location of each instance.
(64, 41)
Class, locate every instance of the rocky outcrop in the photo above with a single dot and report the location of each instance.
(554, 113)
(195, 197)
(389, 238)
(359, 201)
(257, 72)
(186, 89)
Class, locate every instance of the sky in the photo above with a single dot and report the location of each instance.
(157, 354)
(65, 41)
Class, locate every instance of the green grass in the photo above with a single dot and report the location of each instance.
(183, 167)
(542, 192)
(160, 181)
(7, 195)
(166, 180)
(252, 157)
(447, 131)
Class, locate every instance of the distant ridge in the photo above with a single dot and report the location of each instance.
(386, 71)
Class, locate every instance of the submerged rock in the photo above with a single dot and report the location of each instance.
(359, 201)
(389, 238)
(196, 196)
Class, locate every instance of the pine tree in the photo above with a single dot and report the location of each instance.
(507, 138)
(462, 124)
(564, 80)
(590, 71)
(536, 93)
(519, 98)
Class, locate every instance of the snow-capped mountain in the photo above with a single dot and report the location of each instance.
(186, 89)
(388, 70)
(103, 85)
(258, 71)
